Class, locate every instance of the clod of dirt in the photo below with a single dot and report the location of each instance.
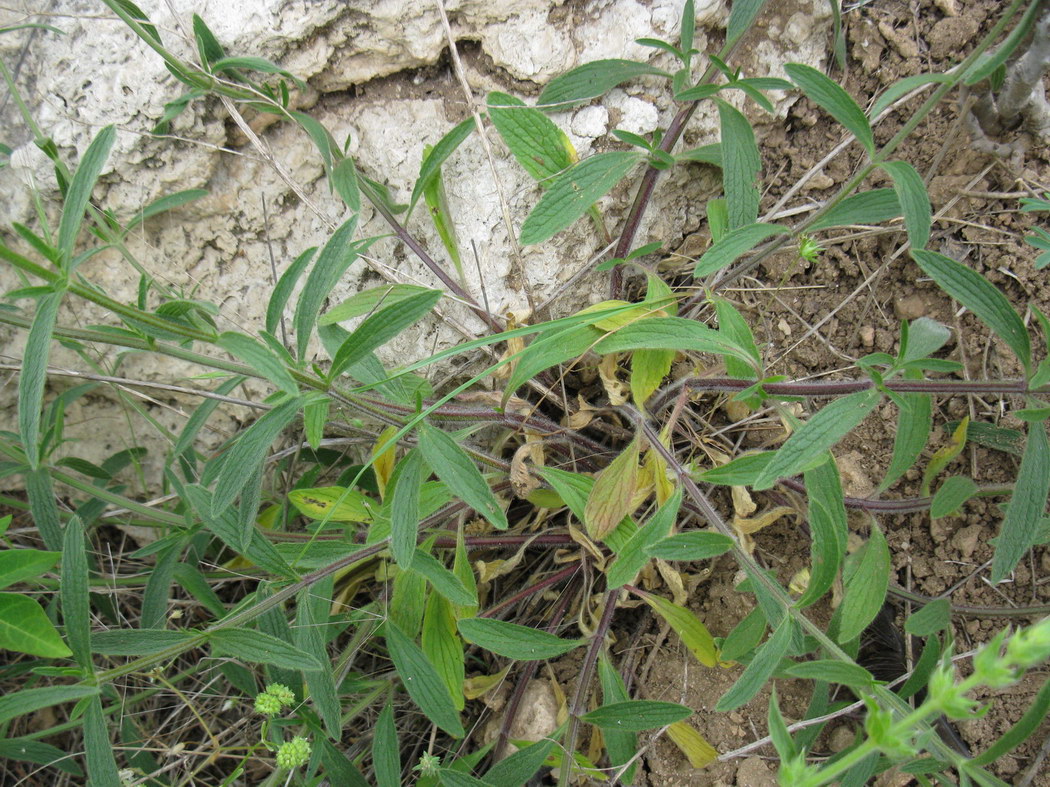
(537, 712)
(951, 35)
(855, 481)
(967, 539)
(910, 307)
(753, 772)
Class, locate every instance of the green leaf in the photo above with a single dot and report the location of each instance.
(421, 681)
(381, 327)
(761, 668)
(101, 765)
(28, 750)
(573, 192)
(736, 243)
(443, 647)
(610, 498)
(79, 193)
(521, 766)
(259, 648)
(778, 731)
(833, 671)
(34, 375)
(24, 701)
(951, 495)
(914, 201)
(637, 715)
(344, 178)
(42, 504)
(431, 164)
(693, 545)
(922, 338)
(990, 61)
(979, 296)
(249, 451)
(865, 588)
(834, 100)
(1021, 525)
(817, 435)
(549, 349)
(315, 418)
(688, 627)
(283, 291)
(913, 430)
(633, 555)
(139, 642)
(742, 471)
(591, 80)
(520, 643)
(741, 15)
(208, 45)
(828, 528)
(705, 154)
(76, 611)
(453, 466)
(620, 744)
(367, 301)
(745, 636)
(17, 565)
(164, 204)
(260, 358)
(868, 207)
(444, 581)
(310, 636)
(930, 618)
(332, 262)
(538, 145)
(386, 754)
(648, 369)
(669, 333)
(404, 508)
(451, 778)
(25, 628)
(741, 164)
(902, 87)
(734, 327)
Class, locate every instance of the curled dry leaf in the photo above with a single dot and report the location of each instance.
(617, 390)
(521, 480)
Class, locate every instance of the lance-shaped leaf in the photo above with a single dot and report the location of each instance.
(34, 375)
(381, 327)
(443, 647)
(817, 435)
(79, 192)
(283, 291)
(761, 668)
(573, 192)
(444, 581)
(914, 201)
(687, 626)
(332, 262)
(453, 466)
(834, 100)
(979, 296)
(590, 81)
(421, 681)
(257, 647)
(828, 529)
(737, 242)
(260, 358)
(610, 498)
(404, 508)
(865, 587)
(1027, 505)
(538, 145)
(249, 451)
(621, 745)
(633, 555)
(669, 333)
(694, 545)
(637, 715)
(430, 168)
(741, 163)
(513, 641)
(868, 207)
(25, 701)
(741, 15)
(386, 754)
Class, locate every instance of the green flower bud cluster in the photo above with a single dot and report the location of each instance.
(293, 753)
(274, 700)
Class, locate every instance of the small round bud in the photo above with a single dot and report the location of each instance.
(281, 693)
(267, 705)
(293, 753)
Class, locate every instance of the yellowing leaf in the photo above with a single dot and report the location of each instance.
(648, 369)
(608, 369)
(699, 752)
(545, 498)
(687, 626)
(657, 467)
(610, 498)
(334, 503)
(617, 320)
(754, 524)
(383, 458)
(481, 685)
(944, 455)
